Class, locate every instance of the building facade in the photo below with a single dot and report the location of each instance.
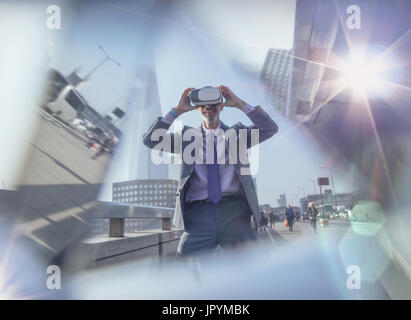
(282, 200)
(151, 192)
(276, 77)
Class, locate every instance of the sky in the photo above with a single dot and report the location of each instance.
(192, 44)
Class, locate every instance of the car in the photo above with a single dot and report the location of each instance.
(348, 213)
(342, 215)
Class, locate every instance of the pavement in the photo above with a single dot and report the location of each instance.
(302, 230)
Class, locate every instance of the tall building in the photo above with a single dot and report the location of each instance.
(276, 76)
(282, 200)
(145, 108)
(150, 192)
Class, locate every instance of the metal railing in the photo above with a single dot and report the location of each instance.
(118, 212)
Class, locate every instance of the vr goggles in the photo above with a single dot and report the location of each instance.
(206, 95)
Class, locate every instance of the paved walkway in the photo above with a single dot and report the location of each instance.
(280, 235)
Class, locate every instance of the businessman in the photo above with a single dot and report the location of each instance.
(215, 199)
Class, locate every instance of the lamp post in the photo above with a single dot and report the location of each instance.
(107, 58)
(332, 182)
(313, 181)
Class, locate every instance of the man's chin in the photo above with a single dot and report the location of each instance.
(210, 119)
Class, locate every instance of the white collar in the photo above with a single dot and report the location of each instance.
(208, 131)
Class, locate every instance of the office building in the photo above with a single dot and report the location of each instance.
(282, 200)
(276, 77)
(159, 193)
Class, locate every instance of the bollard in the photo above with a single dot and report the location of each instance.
(166, 223)
(116, 227)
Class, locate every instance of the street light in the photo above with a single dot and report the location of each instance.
(313, 181)
(107, 58)
(332, 182)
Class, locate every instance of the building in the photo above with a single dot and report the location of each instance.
(144, 108)
(282, 200)
(342, 199)
(276, 77)
(159, 193)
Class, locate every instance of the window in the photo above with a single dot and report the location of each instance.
(75, 101)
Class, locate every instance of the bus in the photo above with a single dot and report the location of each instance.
(68, 105)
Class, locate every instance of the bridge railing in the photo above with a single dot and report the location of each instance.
(118, 212)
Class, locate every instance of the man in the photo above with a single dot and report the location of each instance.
(312, 213)
(272, 219)
(214, 200)
(289, 214)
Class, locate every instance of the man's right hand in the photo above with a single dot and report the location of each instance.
(184, 104)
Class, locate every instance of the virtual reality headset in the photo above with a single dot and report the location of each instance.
(206, 95)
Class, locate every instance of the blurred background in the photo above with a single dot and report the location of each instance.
(82, 81)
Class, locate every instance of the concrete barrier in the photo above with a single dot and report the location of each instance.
(148, 244)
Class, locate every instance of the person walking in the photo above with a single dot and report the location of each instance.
(312, 213)
(263, 221)
(289, 214)
(272, 219)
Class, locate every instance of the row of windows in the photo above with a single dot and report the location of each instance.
(146, 203)
(141, 198)
(141, 192)
(139, 186)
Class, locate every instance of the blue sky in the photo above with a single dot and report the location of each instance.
(194, 46)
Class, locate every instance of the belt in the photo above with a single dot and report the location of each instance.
(231, 197)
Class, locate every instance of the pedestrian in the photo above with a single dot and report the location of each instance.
(263, 221)
(289, 215)
(312, 213)
(215, 199)
(107, 146)
(272, 219)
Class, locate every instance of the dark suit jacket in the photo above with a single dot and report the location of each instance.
(261, 120)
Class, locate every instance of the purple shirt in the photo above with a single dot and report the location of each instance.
(230, 184)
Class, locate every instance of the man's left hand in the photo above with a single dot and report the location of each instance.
(231, 100)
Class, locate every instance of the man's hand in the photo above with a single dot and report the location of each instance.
(184, 104)
(231, 100)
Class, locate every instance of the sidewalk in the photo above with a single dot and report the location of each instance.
(281, 235)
